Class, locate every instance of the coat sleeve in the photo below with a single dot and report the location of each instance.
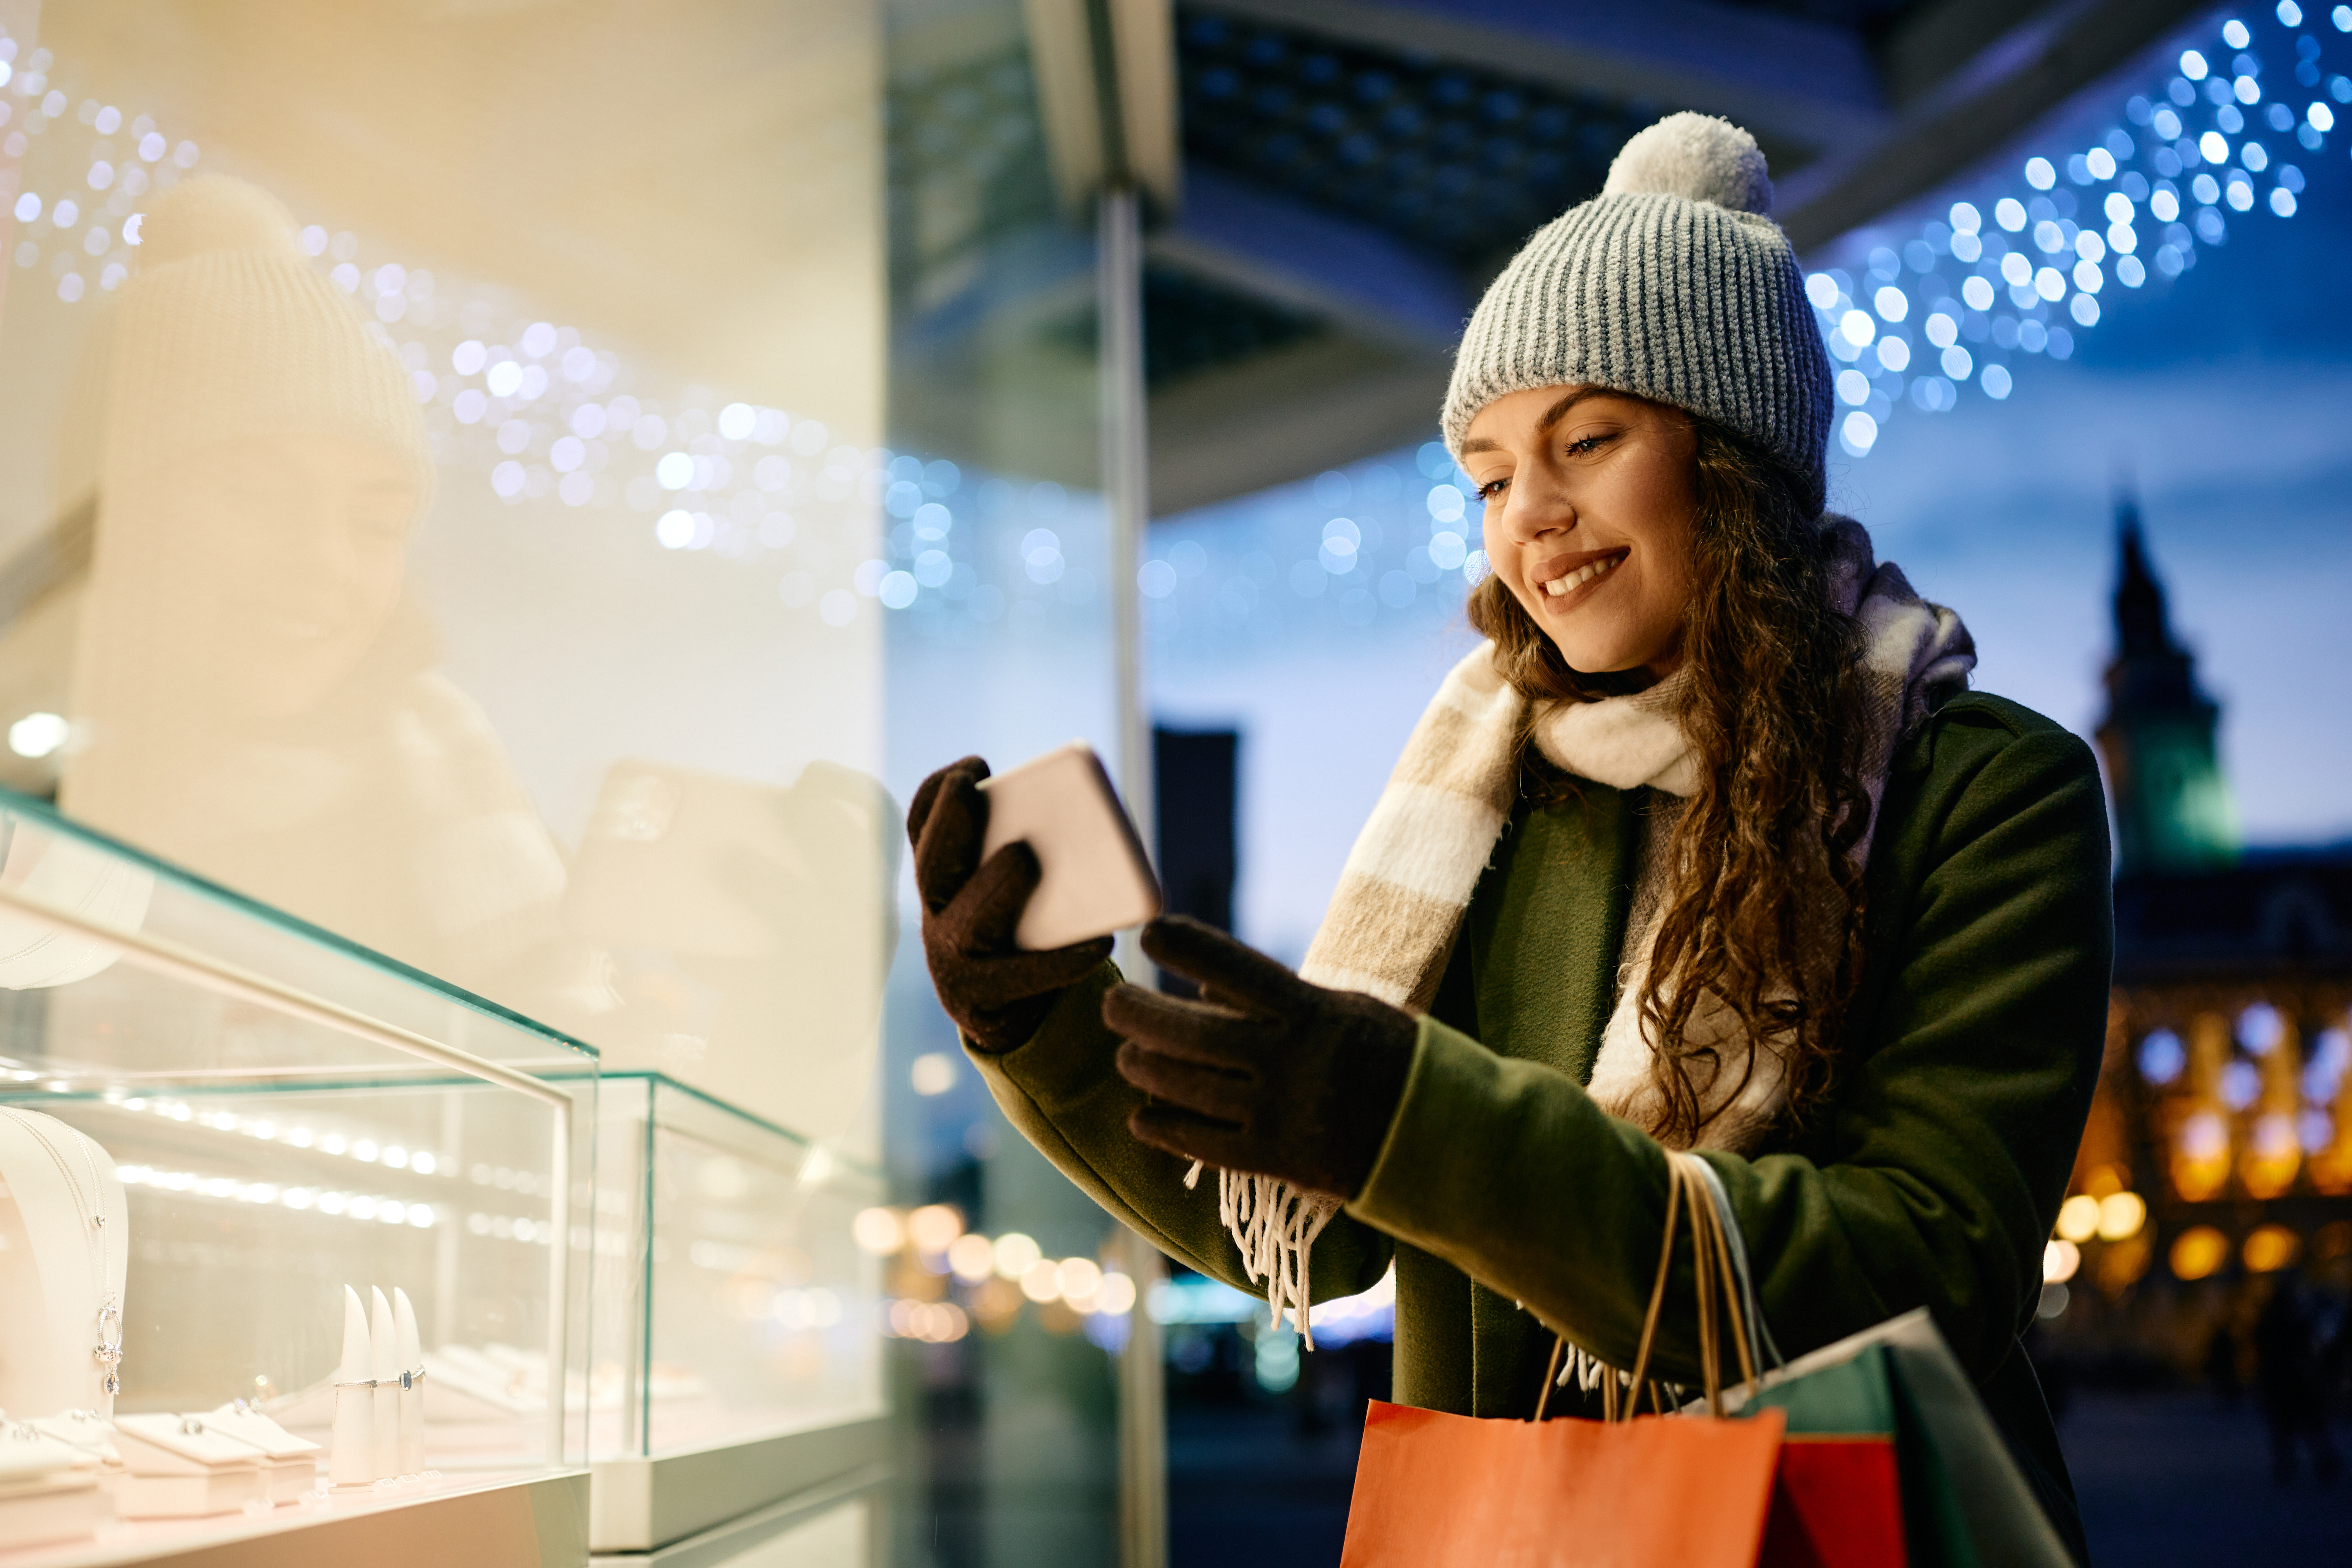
(1063, 1092)
(1932, 1174)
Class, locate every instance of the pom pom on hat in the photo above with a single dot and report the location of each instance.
(215, 212)
(228, 330)
(1697, 157)
(1696, 301)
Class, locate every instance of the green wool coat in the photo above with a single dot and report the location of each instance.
(1514, 1209)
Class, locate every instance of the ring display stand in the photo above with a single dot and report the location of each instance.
(210, 1116)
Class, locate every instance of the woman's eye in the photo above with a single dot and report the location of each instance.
(1586, 445)
(1491, 489)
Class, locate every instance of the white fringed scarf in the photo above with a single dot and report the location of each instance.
(1392, 923)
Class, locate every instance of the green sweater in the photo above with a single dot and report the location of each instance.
(1512, 1207)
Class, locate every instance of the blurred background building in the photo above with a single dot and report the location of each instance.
(811, 394)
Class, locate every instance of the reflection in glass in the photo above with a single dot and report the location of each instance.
(257, 688)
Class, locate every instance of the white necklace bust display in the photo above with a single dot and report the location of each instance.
(65, 1249)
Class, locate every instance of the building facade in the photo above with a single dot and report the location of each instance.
(2219, 1153)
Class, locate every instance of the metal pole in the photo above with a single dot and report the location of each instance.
(1125, 480)
(1142, 1417)
(1142, 1448)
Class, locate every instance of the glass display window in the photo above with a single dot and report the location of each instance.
(443, 496)
(288, 1232)
(531, 490)
(738, 1345)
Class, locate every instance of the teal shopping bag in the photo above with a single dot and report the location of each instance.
(1965, 1502)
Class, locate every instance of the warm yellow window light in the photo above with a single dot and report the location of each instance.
(2273, 1156)
(2120, 1215)
(2197, 1251)
(2271, 1248)
(2201, 1157)
(2121, 1263)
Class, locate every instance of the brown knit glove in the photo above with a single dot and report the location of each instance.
(1265, 1073)
(997, 992)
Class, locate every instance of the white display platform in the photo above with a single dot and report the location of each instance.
(643, 1504)
(469, 1521)
(64, 1506)
(835, 1525)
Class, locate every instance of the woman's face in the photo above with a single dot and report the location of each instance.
(302, 543)
(1590, 497)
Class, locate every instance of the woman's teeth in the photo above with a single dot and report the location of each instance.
(1582, 575)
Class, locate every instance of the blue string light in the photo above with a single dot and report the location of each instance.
(2027, 266)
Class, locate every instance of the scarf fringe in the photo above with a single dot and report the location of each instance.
(1584, 1371)
(1274, 1225)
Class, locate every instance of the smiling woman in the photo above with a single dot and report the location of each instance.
(1589, 497)
(1637, 549)
(1708, 847)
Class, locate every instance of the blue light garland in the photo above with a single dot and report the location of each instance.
(2025, 266)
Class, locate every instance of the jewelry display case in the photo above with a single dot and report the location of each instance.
(221, 1132)
(737, 1362)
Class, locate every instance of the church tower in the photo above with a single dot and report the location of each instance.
(2173, 808)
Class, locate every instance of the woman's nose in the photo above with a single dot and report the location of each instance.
(1536, 512)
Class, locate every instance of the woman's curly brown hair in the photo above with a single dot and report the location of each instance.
(1764, 904)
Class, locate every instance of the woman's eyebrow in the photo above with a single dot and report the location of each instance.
(1551, 417)
(1558, 411)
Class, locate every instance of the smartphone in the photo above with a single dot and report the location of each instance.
(1096, 879)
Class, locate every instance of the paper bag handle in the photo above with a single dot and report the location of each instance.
(1718, 1280)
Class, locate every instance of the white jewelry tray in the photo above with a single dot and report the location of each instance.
(292, 1462)
(181, 1467)
(54, 1508)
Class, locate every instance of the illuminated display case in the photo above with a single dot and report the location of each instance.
(215, 1118)
(738, 1344)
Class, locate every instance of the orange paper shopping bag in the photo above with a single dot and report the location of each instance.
(1434, 1490)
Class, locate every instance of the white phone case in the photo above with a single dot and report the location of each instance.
(1096, 879)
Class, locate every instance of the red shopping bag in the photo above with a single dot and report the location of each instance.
(1837, 1502)
(1434, 1490)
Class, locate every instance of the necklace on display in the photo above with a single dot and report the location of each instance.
(108, 1352)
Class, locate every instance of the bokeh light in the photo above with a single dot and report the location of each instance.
(2197, 1252)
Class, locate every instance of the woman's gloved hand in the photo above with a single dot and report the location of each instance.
(997, 992)
(1265, 1073)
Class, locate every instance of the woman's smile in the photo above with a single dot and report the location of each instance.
(1589, 514)
(1566, 581)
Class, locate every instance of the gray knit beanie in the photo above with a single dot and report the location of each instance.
(1672, 284)
(228, 331)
